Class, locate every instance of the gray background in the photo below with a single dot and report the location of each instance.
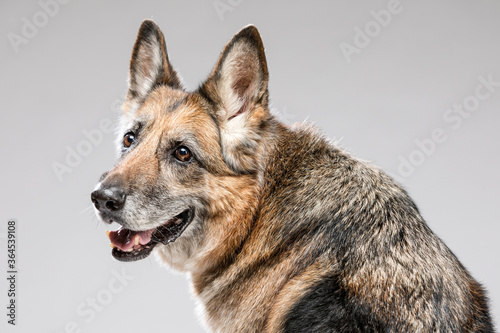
(72, 74)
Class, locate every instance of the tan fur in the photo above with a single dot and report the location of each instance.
(293, 291)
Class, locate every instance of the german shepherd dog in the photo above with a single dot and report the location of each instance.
(279, 229)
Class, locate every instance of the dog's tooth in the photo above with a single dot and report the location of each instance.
(107, 233)
(130, 250)
(136, 239)
(112, 246)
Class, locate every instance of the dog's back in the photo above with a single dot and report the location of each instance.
(338, 246)
(382, 268)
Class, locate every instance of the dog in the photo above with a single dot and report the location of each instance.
(278, 228)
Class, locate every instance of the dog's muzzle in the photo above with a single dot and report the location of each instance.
(131, 245)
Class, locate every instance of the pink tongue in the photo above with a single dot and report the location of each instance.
(124, 239)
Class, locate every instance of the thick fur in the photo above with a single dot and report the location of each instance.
(291, 233)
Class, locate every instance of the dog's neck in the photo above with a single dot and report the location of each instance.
(220, 265)
(234, 206)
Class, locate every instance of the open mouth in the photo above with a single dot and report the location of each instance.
(129, 245)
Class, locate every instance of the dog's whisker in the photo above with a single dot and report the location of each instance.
(87, 209)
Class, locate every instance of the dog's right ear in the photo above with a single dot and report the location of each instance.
(149, 65)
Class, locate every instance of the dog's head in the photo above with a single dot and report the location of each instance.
(188, 160)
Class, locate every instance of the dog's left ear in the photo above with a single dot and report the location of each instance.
(238, 88)
(149, 65)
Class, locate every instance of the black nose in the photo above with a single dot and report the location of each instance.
(108, 199)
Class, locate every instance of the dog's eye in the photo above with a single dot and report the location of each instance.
(183, 154)
(128, 139)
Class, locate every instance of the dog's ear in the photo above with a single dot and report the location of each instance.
(149, 65)
(238, 89)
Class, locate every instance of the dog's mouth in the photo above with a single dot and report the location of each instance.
(129, 245)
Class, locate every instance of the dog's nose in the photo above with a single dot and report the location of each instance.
(108, 199)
